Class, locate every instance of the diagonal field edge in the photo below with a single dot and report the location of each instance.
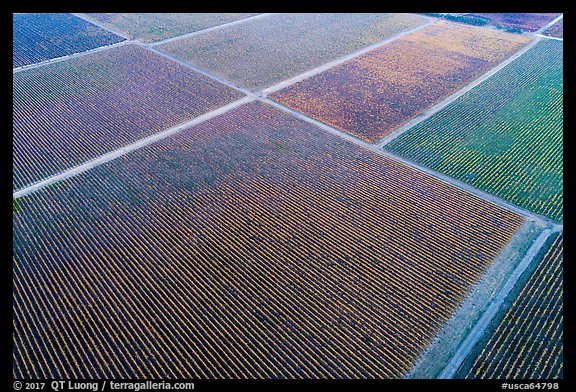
(129, 148)
(488, 197)
(473, 190)
(445, 102)
(479, 328)
(343, 59)
(260, 97)
(209, 29)
(214, 113)
(69, 56)
(549, 37)
(549, 24)
(198, 69)
(102, 25)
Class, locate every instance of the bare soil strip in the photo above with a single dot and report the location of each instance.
(131, 147)
(214, 28)
(70, 56)
(493, 308)
(451, 344)
(343, 59)
(548, 37)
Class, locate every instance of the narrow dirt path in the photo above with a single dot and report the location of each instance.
(441, 105)
(103, 26)
(209, 29)
(549, 37)
(129, 148)
(199, 70)
(68, 57)
(480, 327)
(343, 59)
(548, 25)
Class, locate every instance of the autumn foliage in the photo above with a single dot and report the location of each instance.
(375, 93)
(253, 245)
(67, 113)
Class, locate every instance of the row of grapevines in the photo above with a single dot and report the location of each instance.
(527, 344)
(69, 112)
(40, 37)
(250, 246)
(373, 94)
(266, 51)
(504, 136)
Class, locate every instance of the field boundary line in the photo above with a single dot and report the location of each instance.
(102, 25)
(549, 24)
(129, 148)
(549, 37)
(320, 124)
(473, 190)
(488, 197)
(446, 341)
(477, 332)
(323, 67)
(260, 96)
(209, 29)
(198, 70)
(70, 56)
(448, 100)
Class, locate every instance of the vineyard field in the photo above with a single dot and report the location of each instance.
(266, 51)
(252, 245)
(373, 94)
(41, 37)
(504, 136)
(526, 342)
(556, 30)
(69, 112)
(151, 27)
(526, 21)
